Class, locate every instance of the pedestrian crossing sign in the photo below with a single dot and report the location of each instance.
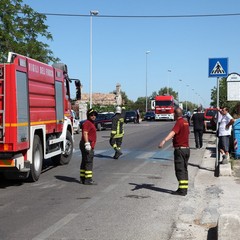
(218, 67)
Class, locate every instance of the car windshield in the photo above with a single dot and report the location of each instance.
(128, 114)
(149, 113)
(211, 113)
(102, 116)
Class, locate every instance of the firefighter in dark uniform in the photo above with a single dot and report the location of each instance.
(180, 135)
(117, 131)
(87, 144)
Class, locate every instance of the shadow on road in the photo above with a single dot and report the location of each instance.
(198, 166)
(150, 187)
(67, 179)
(102, 156)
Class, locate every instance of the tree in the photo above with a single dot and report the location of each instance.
(232, 105)
(141, 104)
(163, 91)
(20, 29)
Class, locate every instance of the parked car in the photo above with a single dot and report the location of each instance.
(130, 116)
(149, 116)
(102, 121)
(210, 118)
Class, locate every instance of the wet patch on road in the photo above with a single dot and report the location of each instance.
(136, 196)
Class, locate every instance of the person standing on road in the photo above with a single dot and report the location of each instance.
(138, 116)
(198, 127)
(86, 145)
(225, 122)
(180, 135)
(188, 116)
(117, 131)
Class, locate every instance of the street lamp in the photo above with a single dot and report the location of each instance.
(168, 81)
(187, 96)
(147, 52)
(92, 13)
(179, 91)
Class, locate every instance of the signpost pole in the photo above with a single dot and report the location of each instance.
(217, 67)
(217, 150)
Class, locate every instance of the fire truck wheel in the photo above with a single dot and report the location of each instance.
(65, 157)
(37, 159)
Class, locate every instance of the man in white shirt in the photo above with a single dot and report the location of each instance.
(225, 122)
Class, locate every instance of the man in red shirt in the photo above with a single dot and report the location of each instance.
(86, 145)
(180, 136)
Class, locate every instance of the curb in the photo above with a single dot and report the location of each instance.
(225, 170)
(228, 227)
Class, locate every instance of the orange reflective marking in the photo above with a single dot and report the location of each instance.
(7, 163)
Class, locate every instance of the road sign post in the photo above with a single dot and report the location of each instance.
(217, 67)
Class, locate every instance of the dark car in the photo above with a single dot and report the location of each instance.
(131, 116)
(149, 116)
(102, 121)
(210, 118)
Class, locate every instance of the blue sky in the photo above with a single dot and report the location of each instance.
(182, 45)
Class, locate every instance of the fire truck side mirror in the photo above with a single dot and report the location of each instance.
(78, 89)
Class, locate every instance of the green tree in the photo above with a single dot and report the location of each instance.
(20, 30)
(223, 102)
(163, 91)
(141, 104)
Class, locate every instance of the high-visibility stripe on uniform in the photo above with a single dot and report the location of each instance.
(183, 184)
(82, 173)
(88, 174)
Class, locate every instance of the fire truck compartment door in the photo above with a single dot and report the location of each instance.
(59, 101)
(22, 108)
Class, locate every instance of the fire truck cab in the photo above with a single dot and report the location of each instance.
(164, 107)
(35, 112)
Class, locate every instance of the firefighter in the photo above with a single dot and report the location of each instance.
(117, 131)
(180, 134)
(86, 145)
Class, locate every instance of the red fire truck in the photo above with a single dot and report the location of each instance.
(35, 113)
(164, 107)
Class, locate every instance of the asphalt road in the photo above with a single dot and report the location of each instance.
(131, 201)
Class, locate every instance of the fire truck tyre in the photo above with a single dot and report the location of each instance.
(65, 157)
(37, 159)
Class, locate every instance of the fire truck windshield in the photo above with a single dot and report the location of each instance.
(164, 103)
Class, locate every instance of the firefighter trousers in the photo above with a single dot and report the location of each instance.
(86, 167)
(181, 157)
(116, 143)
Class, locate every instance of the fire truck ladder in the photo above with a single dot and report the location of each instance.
(2, 103)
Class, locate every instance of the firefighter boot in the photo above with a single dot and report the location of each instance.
(82, 180)
(89, 182)
(118, 153)
(180, 192)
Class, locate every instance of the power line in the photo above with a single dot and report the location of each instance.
(145, 16)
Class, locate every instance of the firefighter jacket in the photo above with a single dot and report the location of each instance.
(117, 126)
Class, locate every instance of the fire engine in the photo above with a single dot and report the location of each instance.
(164, 107)
(35, 112)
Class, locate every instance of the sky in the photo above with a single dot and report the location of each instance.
(180, 47)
